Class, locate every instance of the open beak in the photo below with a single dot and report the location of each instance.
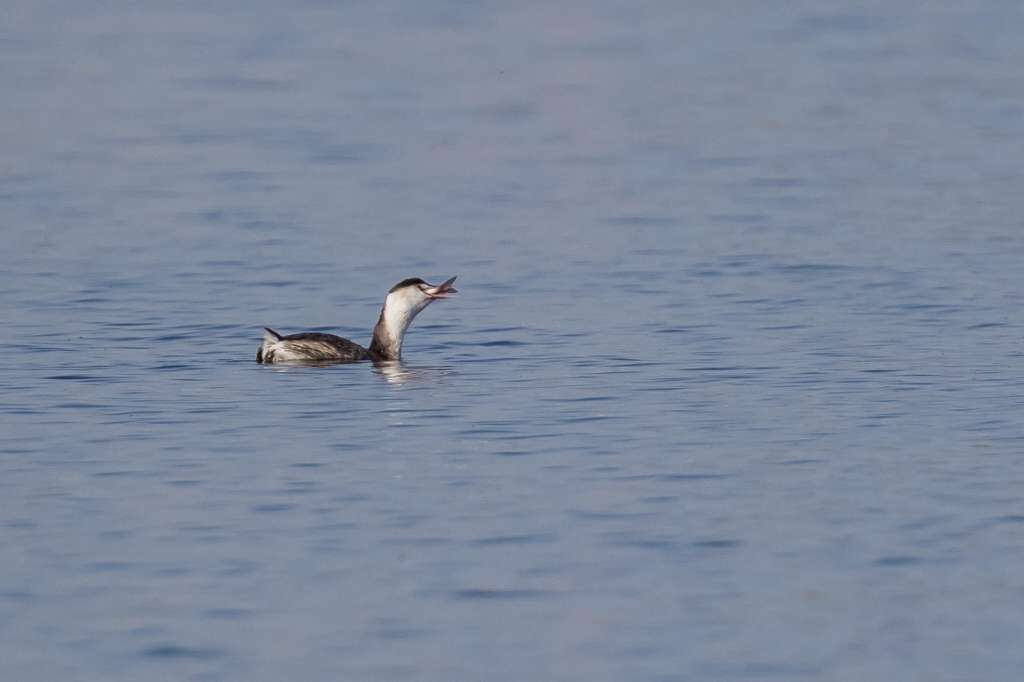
(442, 290)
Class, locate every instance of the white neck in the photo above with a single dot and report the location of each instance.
(400, 309)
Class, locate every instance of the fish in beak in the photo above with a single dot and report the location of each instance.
(443, 290)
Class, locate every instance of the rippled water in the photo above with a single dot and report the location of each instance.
(733, 388)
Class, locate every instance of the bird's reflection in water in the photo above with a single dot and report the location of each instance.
(398, 373)
(303, 365)
(394, 371)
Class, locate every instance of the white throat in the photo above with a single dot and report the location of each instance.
(400, 309)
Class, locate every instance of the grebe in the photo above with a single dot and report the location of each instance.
(404, 302)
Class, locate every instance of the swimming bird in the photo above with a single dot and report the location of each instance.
(403, 303)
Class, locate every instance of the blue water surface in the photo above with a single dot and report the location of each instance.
(733, 389)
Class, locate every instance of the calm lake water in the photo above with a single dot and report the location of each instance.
(733, 389)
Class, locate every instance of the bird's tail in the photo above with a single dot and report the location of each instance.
(270, 337)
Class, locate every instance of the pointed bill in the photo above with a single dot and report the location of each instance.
(443, 290)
